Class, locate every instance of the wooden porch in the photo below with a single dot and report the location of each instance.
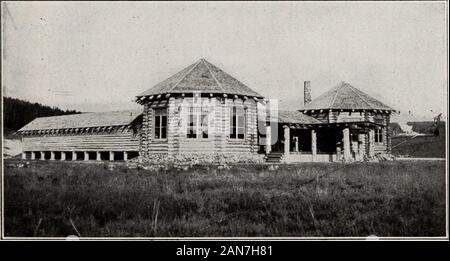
(347, 142)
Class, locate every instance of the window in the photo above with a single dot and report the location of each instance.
(197, 123)
(160, 123)
(204, 124)
(237, 123)
(379, 135)
(191, 124)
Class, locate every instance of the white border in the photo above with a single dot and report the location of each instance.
(446, 238)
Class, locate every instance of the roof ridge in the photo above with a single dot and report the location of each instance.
(352, 88)
(212, 74)
(182, 78)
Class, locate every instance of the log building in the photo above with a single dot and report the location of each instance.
(204, 113)
(86, 136)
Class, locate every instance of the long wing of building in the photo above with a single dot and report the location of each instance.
(105, 135)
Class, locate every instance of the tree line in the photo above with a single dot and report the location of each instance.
(17, 113)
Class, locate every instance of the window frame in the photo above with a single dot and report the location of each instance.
(160, 113)
(378, 136)
(198, 113)
(234, 126)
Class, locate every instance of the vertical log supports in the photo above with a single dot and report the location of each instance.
(346, 143)
(287, 140)
(125, 156)
(33, 155)
(86, 155)
(371, 143)
(24, 155)
(388, 134)
(42, 153)
(313, 144)
(111, 155)
(63, 155)
(361, 148)
(99, 156)
(52, 155)
(296, 144)
(74, 155)
(268, 140)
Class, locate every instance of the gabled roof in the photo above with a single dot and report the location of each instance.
(204, 77)
(83, 120)
(296, 117)
(346, 97)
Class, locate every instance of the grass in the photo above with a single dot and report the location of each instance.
(420, 146)
(312, 199)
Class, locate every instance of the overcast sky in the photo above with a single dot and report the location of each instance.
(96, 56)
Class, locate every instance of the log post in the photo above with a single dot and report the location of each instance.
(33, 155)
(52, 155)
(63, 155)
(125, 155)
(313, 144)
(42, 153)
(268, 140)
(111, 155)
(296, 143)
(346, 143)
(74, 155)
(99, 156)
(361, 148)
(371, 143)
(287, 140)
(86, 155)
(24, 155)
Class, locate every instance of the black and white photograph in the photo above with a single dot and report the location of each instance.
(224, 121)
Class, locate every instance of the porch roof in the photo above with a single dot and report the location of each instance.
(296, 117)
(357, 124)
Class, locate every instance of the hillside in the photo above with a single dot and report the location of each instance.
(426, 146)
(17, 113)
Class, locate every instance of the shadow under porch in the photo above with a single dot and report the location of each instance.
(319, 143)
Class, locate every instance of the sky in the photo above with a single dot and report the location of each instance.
(97, 56)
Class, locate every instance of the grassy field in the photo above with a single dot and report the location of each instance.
(360, 199)
(420, 146)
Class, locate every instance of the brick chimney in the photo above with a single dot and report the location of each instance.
(307, 92)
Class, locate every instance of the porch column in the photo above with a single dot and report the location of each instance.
(111, 155)
(313, 144)
(287, 139)
(361, 148)
(24, 155)
(99, 156)
(86, 155)
(371, 143)
(125, 155)
(268, 140)
(63, 155)
(42, 155)
(346, 143)
(296, 143)
(74, 155)
(52, 155)
(33, 155)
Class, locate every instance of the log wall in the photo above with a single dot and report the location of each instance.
(119, 141)
(218, 140)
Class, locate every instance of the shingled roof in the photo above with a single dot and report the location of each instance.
(346, 97)
(83, 120)
(296, 117)
(204, 77)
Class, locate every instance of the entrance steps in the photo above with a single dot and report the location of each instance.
(274, 157)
